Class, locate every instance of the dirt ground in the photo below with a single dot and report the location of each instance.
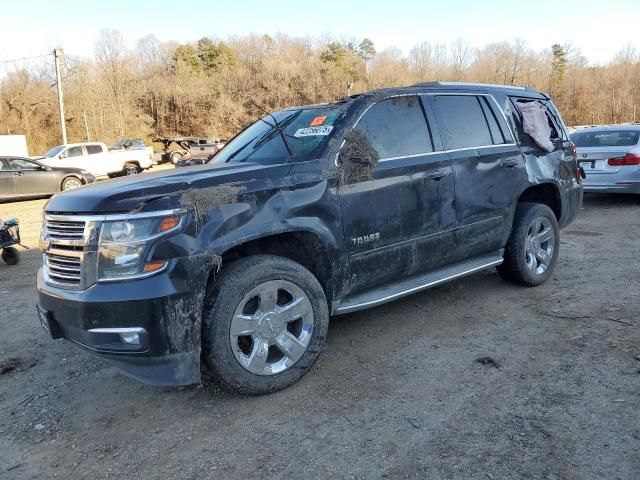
(398, 393)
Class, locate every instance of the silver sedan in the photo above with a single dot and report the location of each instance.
(610, 157)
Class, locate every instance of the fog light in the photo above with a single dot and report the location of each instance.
(130, 338)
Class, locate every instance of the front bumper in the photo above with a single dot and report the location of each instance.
(149, 328)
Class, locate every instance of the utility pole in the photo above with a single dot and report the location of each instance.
(86, 126)
(57, 53)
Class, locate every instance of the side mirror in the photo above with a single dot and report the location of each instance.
(357, 151)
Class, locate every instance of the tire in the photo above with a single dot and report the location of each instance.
(533, 246)
(10, 256)
(247, 355)
(175, 157)
(69, 183)
(130, 169)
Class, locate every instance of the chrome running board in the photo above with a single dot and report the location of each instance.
(388, 293)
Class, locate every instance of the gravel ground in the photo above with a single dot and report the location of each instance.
(398, 393)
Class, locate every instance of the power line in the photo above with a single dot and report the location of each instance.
(24, 58)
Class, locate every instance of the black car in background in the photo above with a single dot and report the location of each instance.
(22, 178)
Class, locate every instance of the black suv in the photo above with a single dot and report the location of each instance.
(234, 267)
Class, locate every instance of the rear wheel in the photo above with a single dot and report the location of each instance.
(131, 169)
(10, 256)
(532, 250)
(264, 324)
(70, 183)
(175, 157)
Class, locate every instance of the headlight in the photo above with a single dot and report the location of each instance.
(123, 246)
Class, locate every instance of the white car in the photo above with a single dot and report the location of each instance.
(97, 159)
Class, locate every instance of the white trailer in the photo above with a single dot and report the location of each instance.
(13, 145)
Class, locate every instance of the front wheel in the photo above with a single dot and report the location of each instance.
(264, 324)
(70, 183)
(10, 256)
(532, 250)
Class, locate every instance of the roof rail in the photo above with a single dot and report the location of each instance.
(468, 84)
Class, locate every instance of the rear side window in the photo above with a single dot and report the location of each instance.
(552, 120)
(93, 149)
(610, 138)
(462, 122)
(396, 127)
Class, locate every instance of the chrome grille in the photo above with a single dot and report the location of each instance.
(64, 269)
(64, 230)
(65, 251)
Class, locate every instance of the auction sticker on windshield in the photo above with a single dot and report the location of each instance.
(313, 131)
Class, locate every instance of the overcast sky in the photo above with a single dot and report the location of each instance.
(599, 29)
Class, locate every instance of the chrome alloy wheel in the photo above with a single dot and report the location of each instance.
(131, 170)
(271, 328)
(539, 245)
(71, 183)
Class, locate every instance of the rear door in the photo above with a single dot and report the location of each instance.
(7, 189)
(398, 221)
(488, 166)
(31, 179)
(99, 162)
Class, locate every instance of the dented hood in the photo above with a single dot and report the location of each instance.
(159, 190)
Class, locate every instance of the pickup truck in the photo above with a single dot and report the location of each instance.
(234, 267)
(97, 159)
(187, 149)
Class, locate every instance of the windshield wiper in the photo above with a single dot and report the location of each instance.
(277, 126)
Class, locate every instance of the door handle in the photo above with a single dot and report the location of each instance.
(509, 163)
(437, 175)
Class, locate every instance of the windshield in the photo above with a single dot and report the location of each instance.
(54, 151)
(306, 130)
(606, 138)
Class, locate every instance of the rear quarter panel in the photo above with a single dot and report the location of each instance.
(558, 168)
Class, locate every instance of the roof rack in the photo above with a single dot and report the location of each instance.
(469, 84)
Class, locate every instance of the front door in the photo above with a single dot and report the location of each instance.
(32, 179)
(73, 157)
(7, 189)
(398, 218)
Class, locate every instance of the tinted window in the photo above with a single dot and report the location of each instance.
(461, 121)
(609, 138)
(93, 149)
(4, 164)
(496, 133)
(396, 127)
(22, 164)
